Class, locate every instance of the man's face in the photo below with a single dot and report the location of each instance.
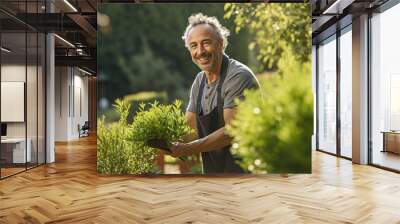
(205, 47)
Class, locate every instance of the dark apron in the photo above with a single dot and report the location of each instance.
(219, 160)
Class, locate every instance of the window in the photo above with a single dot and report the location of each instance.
(346, 92)
(327, 95)
(385, 88)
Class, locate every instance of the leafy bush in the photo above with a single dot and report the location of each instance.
(272, 133)
(116, 153)
(160, 122)
(274, 27)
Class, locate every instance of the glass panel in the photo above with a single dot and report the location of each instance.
(23, 82)
(386, 89)
(13, 87)
(346, 94)
(327, 96)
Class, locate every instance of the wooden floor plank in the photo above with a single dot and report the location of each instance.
(71, 191)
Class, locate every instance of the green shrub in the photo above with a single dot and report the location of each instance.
(116, 153)
(161, 122)
(272, 133)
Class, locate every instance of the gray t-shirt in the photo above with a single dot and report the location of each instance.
(238, 78)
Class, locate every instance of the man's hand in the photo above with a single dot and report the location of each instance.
(216, 140)
(165, 152)
(179, 149)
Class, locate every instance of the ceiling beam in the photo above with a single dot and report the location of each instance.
(82, 61)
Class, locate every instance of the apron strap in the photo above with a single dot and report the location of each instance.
(200, 95)
(220, 103)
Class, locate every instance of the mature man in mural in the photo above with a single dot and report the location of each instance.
(214, 90)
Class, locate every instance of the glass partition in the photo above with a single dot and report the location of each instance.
(13, 105)
(22, 88)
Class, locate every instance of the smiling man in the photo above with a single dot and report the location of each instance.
(211, 106)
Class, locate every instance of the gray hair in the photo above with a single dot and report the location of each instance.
(198, 19)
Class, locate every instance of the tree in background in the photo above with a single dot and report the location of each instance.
(273, 27)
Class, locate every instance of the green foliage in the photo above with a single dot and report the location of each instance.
(274, 27)
(161, 122)
(111, 115)
(145, 96)
(272, 133)
(116, 153)
(150, 72)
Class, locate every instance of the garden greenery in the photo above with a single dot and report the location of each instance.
(122, 147)
(159, 122)
(272, 133)
(116, 152)
(273, 27)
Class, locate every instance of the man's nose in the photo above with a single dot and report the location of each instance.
(200, 50)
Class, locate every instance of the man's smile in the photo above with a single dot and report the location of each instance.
(204, 59)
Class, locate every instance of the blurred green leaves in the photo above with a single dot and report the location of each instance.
(272, 132)
(274, 27)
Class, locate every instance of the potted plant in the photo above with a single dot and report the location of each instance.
(159, 125)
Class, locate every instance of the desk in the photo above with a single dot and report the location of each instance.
(15, 148)
(391, 141)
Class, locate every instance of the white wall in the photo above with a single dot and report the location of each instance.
(71, 102)
(62, 81)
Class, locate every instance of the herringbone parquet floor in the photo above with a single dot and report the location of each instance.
(70, 191)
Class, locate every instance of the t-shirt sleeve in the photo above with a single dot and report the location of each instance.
(193, 95)
(236, 86)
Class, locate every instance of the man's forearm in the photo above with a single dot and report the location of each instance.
(216, 140)
(190, 137)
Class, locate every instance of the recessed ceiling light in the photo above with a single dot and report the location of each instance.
(84, 71)
(70, 5)
(5, 50)
(64, 40)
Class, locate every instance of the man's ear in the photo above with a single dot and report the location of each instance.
(221, 44)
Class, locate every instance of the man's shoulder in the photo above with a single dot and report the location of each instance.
(198, 78)
(239, 71)
(236, 67)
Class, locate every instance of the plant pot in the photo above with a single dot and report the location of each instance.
(160, 162)
(185, 166)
